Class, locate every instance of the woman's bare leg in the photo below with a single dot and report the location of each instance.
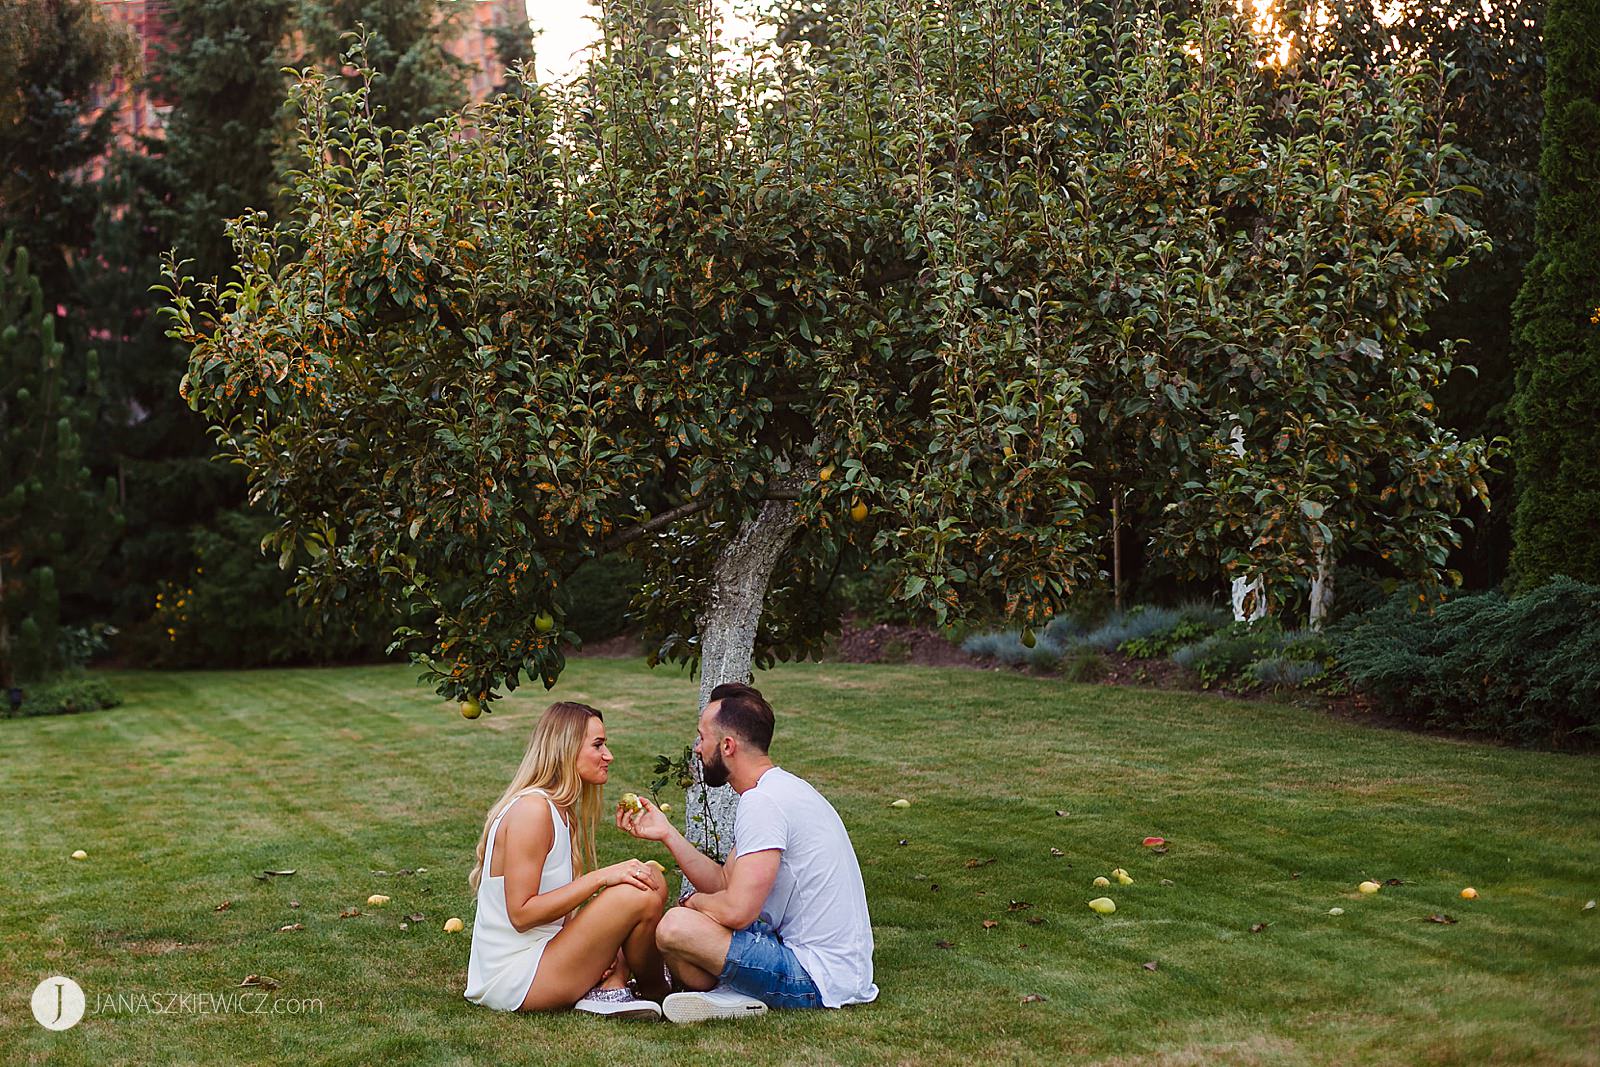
(643, 958)
(577, 957)
(617, 976)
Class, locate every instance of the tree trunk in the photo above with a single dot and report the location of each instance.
(1248, 602)
(1321, 588)
(6, 672)
(1116, 550)
(727, 645)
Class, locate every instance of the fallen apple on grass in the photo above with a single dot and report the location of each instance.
(1469, 893)
(1122, 876)
(80, 854)
(453, 926)
(1154, 842)
(377, 900)
(1369, 887)
(901, 803)
(1103, 905)
(1102, 882)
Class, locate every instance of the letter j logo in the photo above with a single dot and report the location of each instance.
(58, 1003)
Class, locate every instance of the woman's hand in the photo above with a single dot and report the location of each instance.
(647, 824)
(629, 872)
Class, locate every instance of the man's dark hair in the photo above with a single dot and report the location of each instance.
(743, 713)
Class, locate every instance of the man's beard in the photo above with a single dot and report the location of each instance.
(715, 774)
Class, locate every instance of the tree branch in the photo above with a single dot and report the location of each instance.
(655, 522)
(667, 518)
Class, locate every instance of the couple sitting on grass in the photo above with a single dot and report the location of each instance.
(783, 923)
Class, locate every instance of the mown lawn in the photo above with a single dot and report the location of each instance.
(1274, 814)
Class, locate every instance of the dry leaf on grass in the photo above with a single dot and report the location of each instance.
(1057, 853)
(944, 944)
(349, 913)
(1018, 905)
(259, 981)
(1441, 919)
(1258, 927)
(970, 864)
(1033, 998)
(1150, 965)
(224, 906)
(291, 926)
(990, 924)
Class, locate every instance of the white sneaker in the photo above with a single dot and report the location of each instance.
(718, 1003)
(618, 1004)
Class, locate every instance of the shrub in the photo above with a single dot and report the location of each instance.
(1083, 665)
(80, 644)
(67, 695)
(595, 599)
(1166, 642)
(1135, 624)
(1002, 646)
(236, 610)
(1007, 647)
(1045, 655)
(1282, 672)
(1523, 668)
(1226, 654)
(869, 595)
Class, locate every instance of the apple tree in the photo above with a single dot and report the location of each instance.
(753, 322)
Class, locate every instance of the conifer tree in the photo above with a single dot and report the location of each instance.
(1558, 319)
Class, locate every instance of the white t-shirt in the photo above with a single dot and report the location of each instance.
(818, 904)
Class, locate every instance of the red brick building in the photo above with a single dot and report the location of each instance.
(475, 43)
(140, 114)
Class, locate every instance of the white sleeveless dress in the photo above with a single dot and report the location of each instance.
(505, 959)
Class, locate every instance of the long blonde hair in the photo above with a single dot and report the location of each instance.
(551, 764)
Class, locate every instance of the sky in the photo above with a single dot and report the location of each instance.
(564, 31)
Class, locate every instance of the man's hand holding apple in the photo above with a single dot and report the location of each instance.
(647, 824)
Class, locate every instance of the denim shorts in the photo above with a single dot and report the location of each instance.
(760, 965)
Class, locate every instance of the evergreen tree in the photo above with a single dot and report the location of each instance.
(417, 78)
(1558, 319)
(53, 56)
(53, 526)
(513, 44)
(218, 158)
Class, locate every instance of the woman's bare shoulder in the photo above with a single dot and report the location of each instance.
(529, 817)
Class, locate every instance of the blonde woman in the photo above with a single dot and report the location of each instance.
(534, 948)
